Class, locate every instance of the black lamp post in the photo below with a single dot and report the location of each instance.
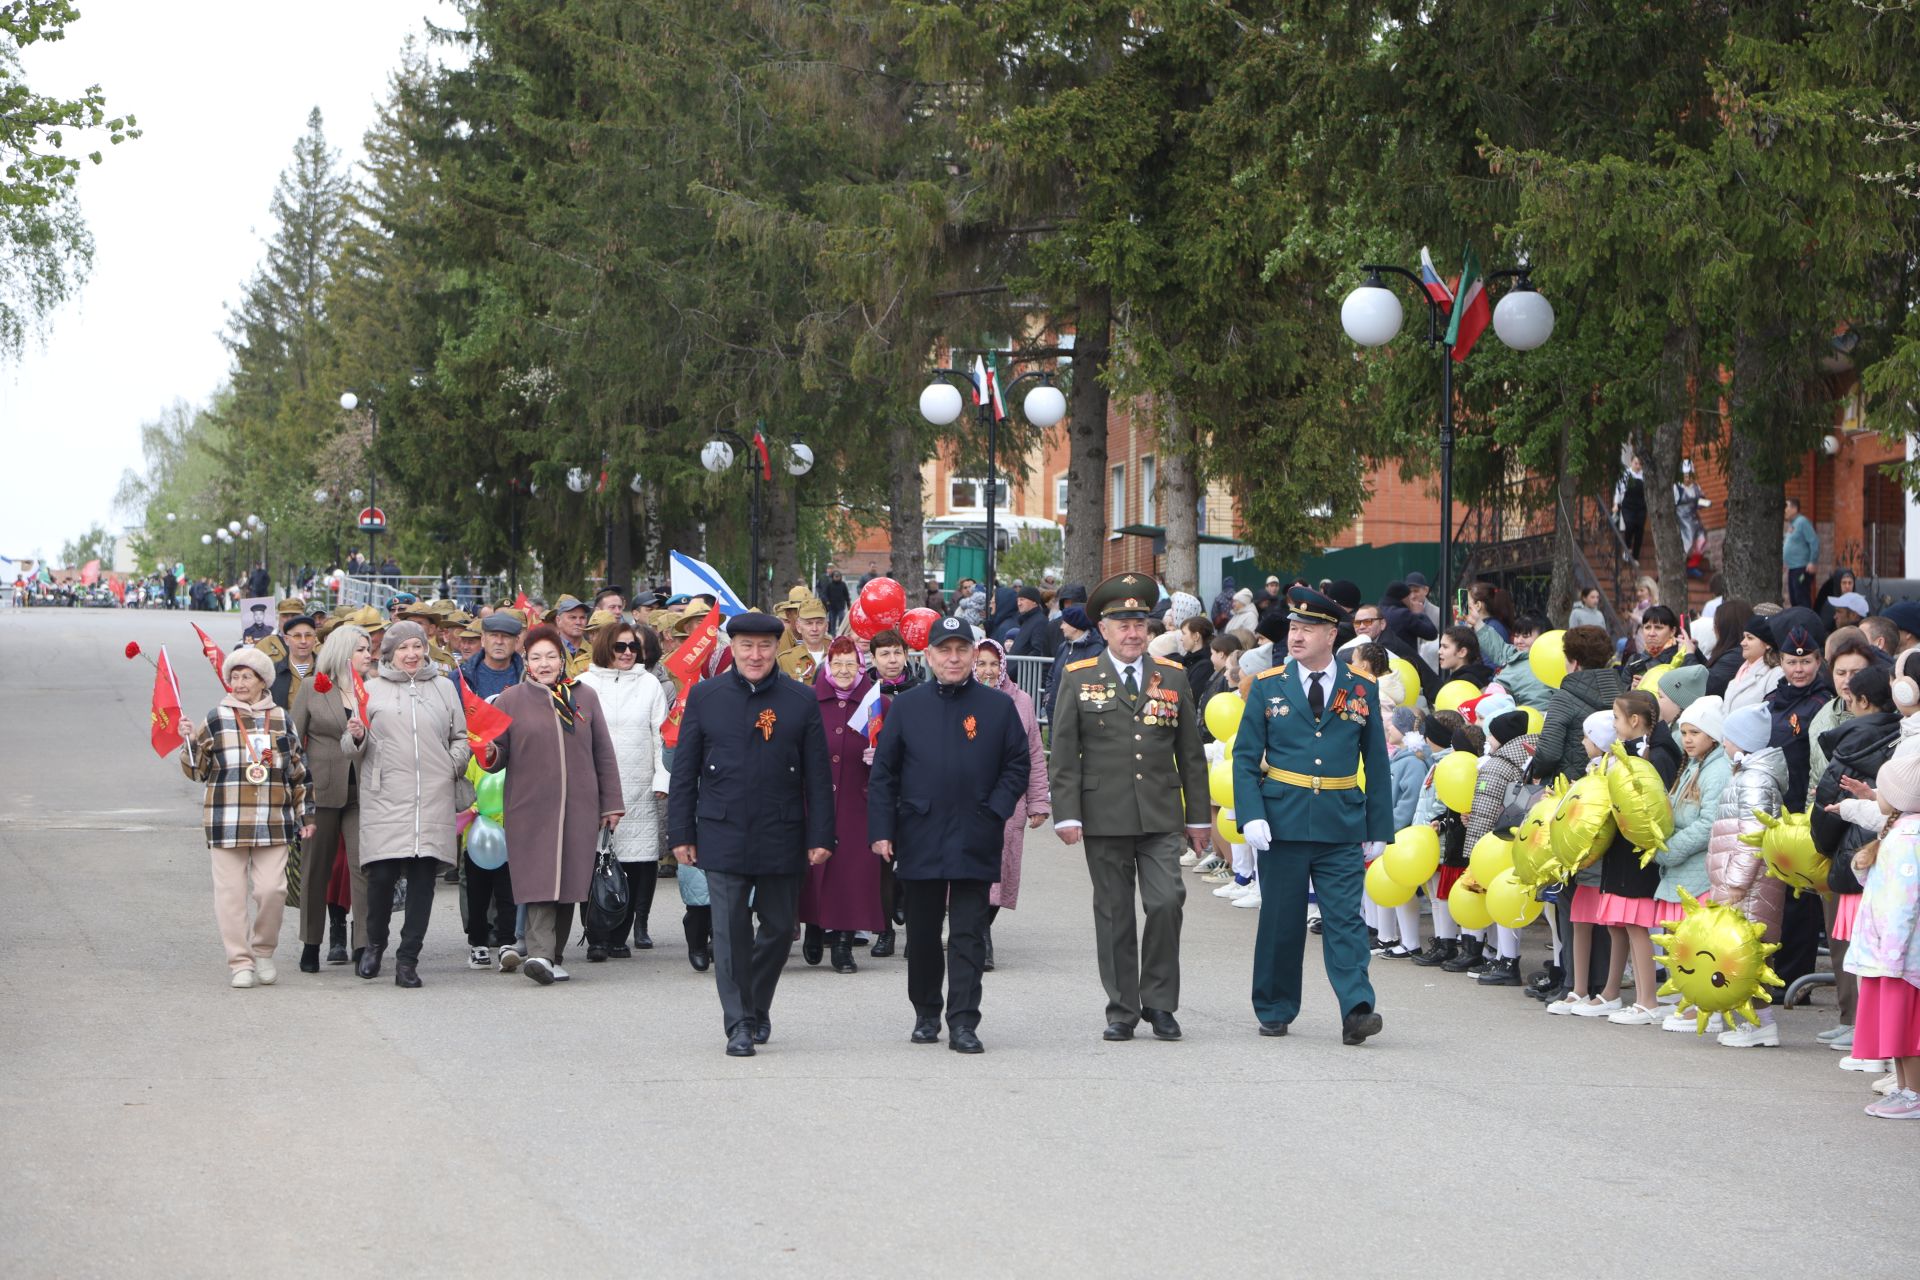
(718, 454)
(941, 404)
(1371, 315)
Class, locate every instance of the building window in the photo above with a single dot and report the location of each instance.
(1065, 341)
(1060, 496)
(1147, 477)
(971, 494)
(1117, 501)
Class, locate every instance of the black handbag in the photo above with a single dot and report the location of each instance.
(608, 894)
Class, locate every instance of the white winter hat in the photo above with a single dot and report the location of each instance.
(1898, 783)
(1748, 729)
(1599, 727)
(252, 659)
(1707, 714)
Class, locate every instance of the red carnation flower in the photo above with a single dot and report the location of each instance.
(133, 649)
(321, 684)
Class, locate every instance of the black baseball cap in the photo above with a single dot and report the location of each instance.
(949, 629)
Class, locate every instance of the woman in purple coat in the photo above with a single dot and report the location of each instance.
(1035, 807)
(842, 895)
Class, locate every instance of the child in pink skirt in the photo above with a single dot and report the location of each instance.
(1627, 888)
(1597, 736)
(1885, 949)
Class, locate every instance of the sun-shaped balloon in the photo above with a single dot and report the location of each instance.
(1787, 845)
(1640, 806)
(1533, 860)
(1717, 961)
(1583, 824)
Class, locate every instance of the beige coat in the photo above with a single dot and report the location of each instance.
(320, 722)
(559, 786)
(413, 755)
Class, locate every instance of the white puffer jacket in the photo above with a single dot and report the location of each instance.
(1736, 869)
(635, 705)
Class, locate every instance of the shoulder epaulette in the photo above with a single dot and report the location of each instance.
(1169, 662)
(1083, 664)
(1357, 672)
(1272, 671)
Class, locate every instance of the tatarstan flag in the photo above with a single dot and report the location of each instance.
(1471, 312)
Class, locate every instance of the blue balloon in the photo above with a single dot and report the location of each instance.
(487, 843)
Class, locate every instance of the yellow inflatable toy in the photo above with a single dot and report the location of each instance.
(1533, 860)
(1639, 798)
(1467, 902)
(1383, 888)
(1491, 855)
(1225, 825)
(1511, 903)
(1454, 779)
(1717, 962)
(1413, 856)
(1223, 715)
(1409, 680)
(1583, 825)
(1547, 659)
(1536, 719)
(1220, 783)
(1787, 846)
(1451, 695)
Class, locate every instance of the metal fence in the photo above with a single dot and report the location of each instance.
(1029, 672)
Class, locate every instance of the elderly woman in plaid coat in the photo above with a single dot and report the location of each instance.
(257, 801)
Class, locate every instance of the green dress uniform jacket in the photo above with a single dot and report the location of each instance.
(1127, 768)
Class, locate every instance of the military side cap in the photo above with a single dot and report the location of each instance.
(503, 621)
(750, 624)
(1124, 595)
(1798, 632)
(290, 607)
(566, 604)
(949, 628)
(1304, 604)
(812, 607)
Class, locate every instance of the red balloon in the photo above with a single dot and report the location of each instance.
(863, 624)
(885, 601)
(916, 626)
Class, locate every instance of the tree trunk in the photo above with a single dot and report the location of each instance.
(1179, 503)
(1662, 459)
(779, 539)
(1566, 584)
(1750, 552)
(906, 516)
(1087, 439)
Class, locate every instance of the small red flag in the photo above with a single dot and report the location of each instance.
(485, 722)
(521, 602)
(166, 708)
(212, 650)
(359, 693)
(89, 573)
(688, 664)
(670, 727)
(766, 464)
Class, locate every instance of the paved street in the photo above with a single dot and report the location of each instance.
(155, 1118)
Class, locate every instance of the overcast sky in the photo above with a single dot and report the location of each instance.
(222, 89)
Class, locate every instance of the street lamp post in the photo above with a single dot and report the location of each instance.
(1371, 315)
(941, 404)
(717, 455)
(350, 402)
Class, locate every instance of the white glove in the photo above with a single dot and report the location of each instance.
(1257, 835)
(1373, 849)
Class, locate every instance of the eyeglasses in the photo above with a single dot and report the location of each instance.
(626, 646)
(1365, 622)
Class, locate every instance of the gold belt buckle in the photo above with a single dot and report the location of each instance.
(1316, 786)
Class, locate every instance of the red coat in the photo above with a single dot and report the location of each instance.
(844, 891)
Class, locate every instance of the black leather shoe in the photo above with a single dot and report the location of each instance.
(740, 1042)
(619, 951)
(1438, 951)
(1552, 993)
(1164, 1027)
(699, 958)
(926, 1029)
(596, 953)
(762, 1029)
(369, 966)
(310, 958)
(813, 944)
(1117, 1031)
(962, 1040)
(882, 945)
(900, 914)
(405, 974)
(337, 954)
(1357, 1026)
(843, 953)
(987, 964)
(1273, 1028)
(643, 941)
(1501, 973)
(1313, 926)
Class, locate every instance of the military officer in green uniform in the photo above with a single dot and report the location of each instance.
(1305, 810)
(1129, 775)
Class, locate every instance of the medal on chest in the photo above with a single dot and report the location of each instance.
(259, 746)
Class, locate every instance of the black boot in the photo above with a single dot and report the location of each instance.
(368, 966)
(696, 922)
(310, 958)
(336, 935)
(843, 952)
(1552, 978)
(405, 974)
(882, 945)
(813, 944)
(1438, 951)
(1502, 973)
(1465, 958)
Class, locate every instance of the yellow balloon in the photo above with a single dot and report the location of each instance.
(1547, 659)
(1413, 856)
(1511, 903)
(1220, 783)
(1536, 719)
(1533, 860)
(1454, 779)
(1229, 831)
(1409, 679)
(1787, 845)
(1639, 798)
(1453, 693)
(1467, 902)
(1223, 715)
(1383, 888)
(1583, 824)
(1717, 961)
(1491, 855)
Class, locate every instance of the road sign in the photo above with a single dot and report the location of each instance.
(373, 520)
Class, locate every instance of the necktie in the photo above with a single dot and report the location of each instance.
(1133, 685)
(1316, 699)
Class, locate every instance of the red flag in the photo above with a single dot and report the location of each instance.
(521, 602)
(485, 722)
(766, 464)
(359, 693)
(212, 650)
(670, 727)
(118, 588)
(166, 707)
(89, 573)
(688, 664)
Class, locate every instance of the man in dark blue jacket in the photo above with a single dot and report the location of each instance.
(751, 804)
(948, 771)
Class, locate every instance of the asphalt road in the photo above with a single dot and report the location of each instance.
(154, 1119)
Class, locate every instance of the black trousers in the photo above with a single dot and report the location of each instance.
(422, 874)
(489, 891)
(746, 964)
(963, 904)
(1802, 924)
(642, 879)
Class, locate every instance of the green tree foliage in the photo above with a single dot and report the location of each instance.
(95, 544)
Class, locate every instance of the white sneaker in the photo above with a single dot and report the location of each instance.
(479, 958)
(541, 971)
(1764, 1036)
(509, 958)
(1886, 1084)
(264, 972)
(1596, 1008)
(1834, 1033)
(1212, 862)
(1189, 858)
(1231, 889)
(242, 978)
(1690, 1021)
(1571, 1003)
(1249, 900)
(560, 975)
(1851, 1063)
(1219, 876)
(1843, 1042)
(1637, 1015)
